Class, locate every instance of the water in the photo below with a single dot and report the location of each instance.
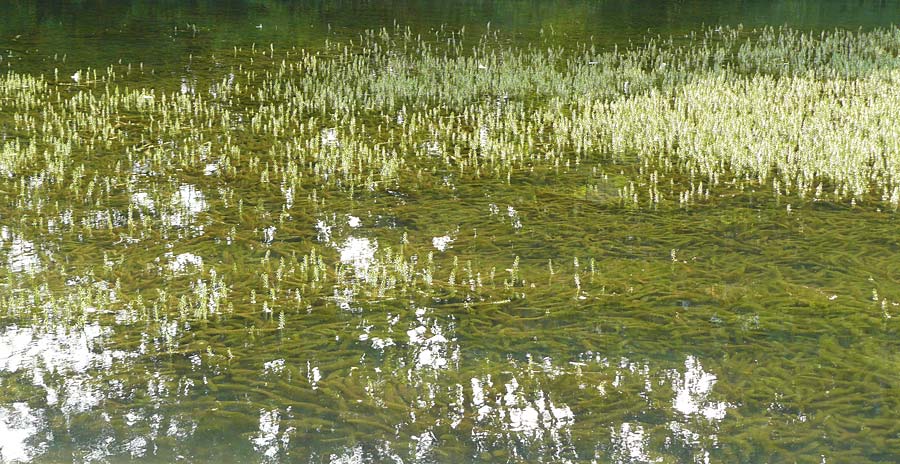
(291, 289)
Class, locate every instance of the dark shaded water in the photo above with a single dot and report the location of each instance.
(98, 33)
(183, 281)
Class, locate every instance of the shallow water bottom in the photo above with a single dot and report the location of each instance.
(737, 333)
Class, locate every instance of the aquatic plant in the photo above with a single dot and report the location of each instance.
(408, 191)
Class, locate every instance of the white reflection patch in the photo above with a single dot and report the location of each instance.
(692, 391)
(58, 351)
(424, 445)
(18, 425)
(143, 200)
(181, 262)
(478, 399)
(533, 417)
(351, 456)
(323, 231)
(190, 199)
(137, 447)
(629, 444)
(269, 235)
(188, 202)
(358, 252)
(274, 367)
(313, 375)
(267, 441)
(442, 243)
(330, 137)
(379, 451)
(431, 351)
(23, 256)
(81, 395)
(382, 343)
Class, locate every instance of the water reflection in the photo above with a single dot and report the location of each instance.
(692, 390)
(271, 439)
(58, 362)
(142, 200)
(183, 261)
(430, 348)
(187, 203)
(358, 252)
(442, 243)
(382, 326)
(22, 254)
(19, 429)
(412, 366)
(629, 444)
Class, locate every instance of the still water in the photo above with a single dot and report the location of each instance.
(215, 246)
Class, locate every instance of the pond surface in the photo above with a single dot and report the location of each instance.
(499, 231)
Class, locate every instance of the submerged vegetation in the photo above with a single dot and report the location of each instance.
(294, 206)
(809, 117)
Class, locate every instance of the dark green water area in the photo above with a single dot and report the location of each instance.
(429, 232)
